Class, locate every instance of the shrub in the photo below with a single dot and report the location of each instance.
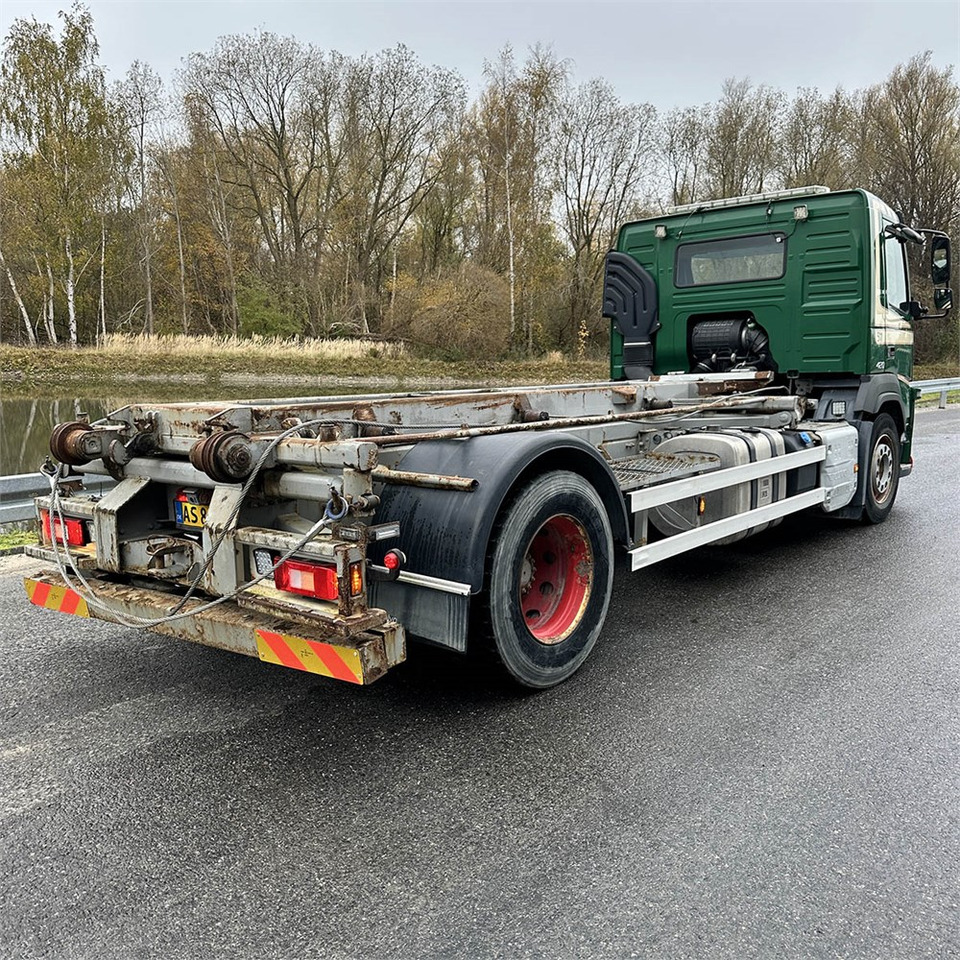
(464, 313)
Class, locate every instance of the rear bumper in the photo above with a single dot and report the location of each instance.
(360, 658)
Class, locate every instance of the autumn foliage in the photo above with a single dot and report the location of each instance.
(280, 190)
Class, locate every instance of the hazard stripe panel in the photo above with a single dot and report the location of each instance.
(52, 597)
(341, 663)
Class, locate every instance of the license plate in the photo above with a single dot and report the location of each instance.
(190, 514)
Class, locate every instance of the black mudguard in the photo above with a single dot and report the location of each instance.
(445, 534)
(877, 391)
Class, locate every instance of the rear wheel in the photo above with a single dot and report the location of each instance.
(550, 580)
(883, 469)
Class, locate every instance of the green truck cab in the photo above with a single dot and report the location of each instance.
(809, 283)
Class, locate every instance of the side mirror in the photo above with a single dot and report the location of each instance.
(940, 261)
(943, 299)
(913, 309)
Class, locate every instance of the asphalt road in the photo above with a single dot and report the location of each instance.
(760, 759)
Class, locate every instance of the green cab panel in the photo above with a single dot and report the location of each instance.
(800, 266)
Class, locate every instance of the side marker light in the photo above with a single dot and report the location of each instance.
(356, 579)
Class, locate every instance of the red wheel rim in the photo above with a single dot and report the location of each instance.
(555, 579)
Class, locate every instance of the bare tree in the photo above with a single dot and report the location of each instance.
(256, 94)
(140, 99)
(602, 150)
(442, 233)
(741, 138)
(684, 152)
(512, 131)
(398, 114)
(913, 123)
(815, 141)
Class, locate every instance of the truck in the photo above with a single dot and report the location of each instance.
(761, 350)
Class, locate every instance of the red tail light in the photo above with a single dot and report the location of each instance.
(72, 532)
(307, 579)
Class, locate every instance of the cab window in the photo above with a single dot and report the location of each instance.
(732, 260)
(894, 290)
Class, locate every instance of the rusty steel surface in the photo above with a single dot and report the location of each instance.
(225, 457)
(225, 626)
(67, 443)
(429, 481)
(324, 619)
(266, 415)
(745, 404)
(223, 439)
(74, 506)
(221, 576)
(105, 513)
(160, 556)
(83, 557)
(320, 547)
(713, 388)
(354, 454)
(378, 640)
(177, 472)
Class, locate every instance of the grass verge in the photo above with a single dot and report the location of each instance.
(270, 366)
(13, 541)
(125, 360)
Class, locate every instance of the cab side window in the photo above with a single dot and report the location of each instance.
(894, 290)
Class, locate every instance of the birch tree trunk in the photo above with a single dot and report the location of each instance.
(70, 289)
(27, 324)
(50, 314)
(102, 326)
(183, 269)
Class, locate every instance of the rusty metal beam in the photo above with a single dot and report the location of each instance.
(366, 654)
(792, 405)
(430, 481)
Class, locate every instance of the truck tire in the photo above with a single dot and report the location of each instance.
(551, 576)
(883, 469)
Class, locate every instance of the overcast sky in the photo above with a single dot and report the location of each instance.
(665, 52)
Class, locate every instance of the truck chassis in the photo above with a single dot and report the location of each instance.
(489, 516)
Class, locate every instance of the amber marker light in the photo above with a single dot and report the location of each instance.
(356, 579)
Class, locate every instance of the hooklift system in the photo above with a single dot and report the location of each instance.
(316, 532)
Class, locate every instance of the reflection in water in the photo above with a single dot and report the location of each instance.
(25, 426)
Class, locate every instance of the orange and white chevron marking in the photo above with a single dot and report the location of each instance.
(62, 599)
(327, 659)
(283, 649)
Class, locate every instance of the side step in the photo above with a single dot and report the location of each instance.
(649, 469)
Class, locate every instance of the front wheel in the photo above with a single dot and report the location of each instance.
(551, 577)
(883, 469)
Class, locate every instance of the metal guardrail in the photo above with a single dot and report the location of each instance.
(943, 387)
(17, 493)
